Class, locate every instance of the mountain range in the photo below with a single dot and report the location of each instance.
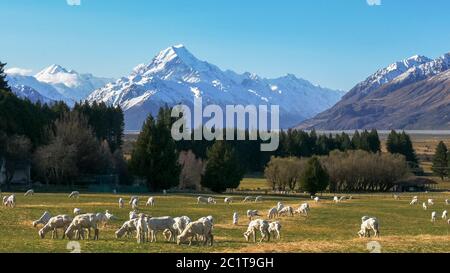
(409, 94)
(175, 76)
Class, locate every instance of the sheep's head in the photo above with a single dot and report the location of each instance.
(246, 236)
(41, 233)
(35, 223)
(120, 233)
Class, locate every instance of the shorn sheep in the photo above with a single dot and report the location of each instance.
(369, 224)
(179, 225)
(76, 211)
(258, 199)
(252, 213)
(414, 201)
(228, 200)
(10, 201)
(317, 199)
(141, 229)
(254, 226)
(445, 215)
(55, 223)
(275, 229)
(280, 206)
(336, 199)
(286, 211)
(74, 194)
(303, 209)
(79, 223)
(150, 202)
(202, 200)
(126, 229)
(43, 220)
(235, 218)
(133, 198)
(433, 216)
(447, 202)
(199, 228)
(211, 200)
(273, 213)
(29, 193)
(430, 202)
(134, 204)
(133, 215)
(247, 199)
(121, 203)
(424, 205)
(156, 224)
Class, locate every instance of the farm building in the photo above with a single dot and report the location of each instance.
(414, 184)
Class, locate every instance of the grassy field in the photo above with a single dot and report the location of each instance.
(329, 228)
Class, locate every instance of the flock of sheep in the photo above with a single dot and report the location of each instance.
(428, 204)
(182, 229)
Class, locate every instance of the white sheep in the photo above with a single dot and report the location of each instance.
(228, 200)
(414, 201)
(288, 211)
(444, 215)
(336, 199)
(317, 199)
(121, 203)
(303, 209)
(135, 204)
(252, 213)
(179, 225)
(202, 200)
(150, 202)
(133, 215)
(104, 218)
(133, 198)
(5, 198)
(211, 200)
(10, 201)
(55, 223)
(447, 202)
(141, 229)
(43, 220)
(127, 228)
(280, 206)
(156, 224)
(342, 198)
(254, 226)
(258, 199)
(247, 199)
(275, 228)
(197, 229)
(273, 213)
(424, 205)
(430, 202)
(74, 194)
(80, 222)
(29, 193)
(76, 211)
(433, 216)
(367, 226)
(235, 218)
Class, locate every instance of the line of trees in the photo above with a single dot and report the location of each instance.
(441, 161)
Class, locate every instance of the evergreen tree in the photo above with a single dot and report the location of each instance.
(155, 156)
(3, 83)
(374, 142)
(440, 161)
(223, 170)
(315, 177)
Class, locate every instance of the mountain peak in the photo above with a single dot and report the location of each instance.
(52, 70)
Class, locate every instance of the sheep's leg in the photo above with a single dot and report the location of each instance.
(254, 236)
(96, 231)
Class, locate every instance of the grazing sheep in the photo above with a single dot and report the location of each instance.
(252, 213)
(79, 223)
(433, 216)
(104, 218)
(178, 227)
(445, 215)
(156, 224)
(43, 220)
(414, 201)
(280, 206)
(273, 213)
(29, 193)
(367, 226)
(228, 200)
(235, 218)
(247, 199)
(254, 226)
(447, 202)
(121, 203)
(202, 200)
(10, 201)
(5, 198)
(287, 211)
(55, 223)
(303, 209)
(141, 229)
(133, 198)
(424, 205)
(133, 215)
(430, 202)
(197, 229)
(211, 200)
(275, 228)
(127, 228)
(258, 199)
(317, 199)
(76, 211)
(134, 204)
(74, 194)
(336, 199)
(150, 202)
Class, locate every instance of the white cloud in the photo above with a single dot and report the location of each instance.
(74, 2)
(374, 2)
(19, 71)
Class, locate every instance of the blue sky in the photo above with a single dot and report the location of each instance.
(334, 43)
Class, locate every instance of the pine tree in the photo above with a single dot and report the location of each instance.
(223, 170)
(440, 161)
(3, 83)
(315, 178)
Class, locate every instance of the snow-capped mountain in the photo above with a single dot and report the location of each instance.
(176, 76)
(26, 92)
(410, 94)
(69, 83)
